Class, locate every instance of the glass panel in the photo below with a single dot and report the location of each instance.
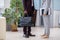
(56, 4)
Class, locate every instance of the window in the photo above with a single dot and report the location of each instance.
(1, 3)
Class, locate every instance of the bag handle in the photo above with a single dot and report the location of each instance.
(26, 15)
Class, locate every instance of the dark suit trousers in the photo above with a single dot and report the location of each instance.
(27, 29)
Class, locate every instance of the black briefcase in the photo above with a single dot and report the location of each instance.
(25, 21)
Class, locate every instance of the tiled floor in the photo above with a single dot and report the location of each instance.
(54, 35)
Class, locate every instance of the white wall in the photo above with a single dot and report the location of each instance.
(56, 18)
(56, 12)
(1, 6)
(1, 3)
(4, 4)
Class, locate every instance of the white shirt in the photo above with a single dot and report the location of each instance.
(43, 4)
(46, 5)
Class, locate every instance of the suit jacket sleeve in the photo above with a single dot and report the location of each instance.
(24, 4)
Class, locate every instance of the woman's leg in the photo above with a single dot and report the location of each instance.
(46, 20)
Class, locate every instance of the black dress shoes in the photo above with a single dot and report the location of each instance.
(31, 35)
(26, 36)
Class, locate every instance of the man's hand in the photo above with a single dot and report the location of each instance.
(25, 12)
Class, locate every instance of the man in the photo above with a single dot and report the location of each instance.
(46, 17)
(27, 11)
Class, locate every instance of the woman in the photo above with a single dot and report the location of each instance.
(46, 12)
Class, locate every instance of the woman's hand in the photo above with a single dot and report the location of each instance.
(44, 15)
